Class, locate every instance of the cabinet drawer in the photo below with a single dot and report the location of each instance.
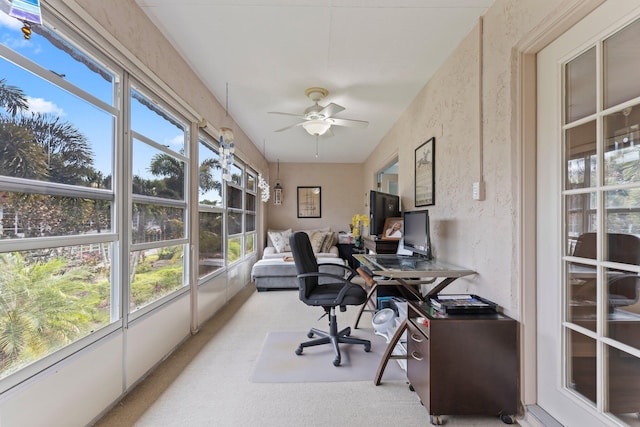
(418, 362)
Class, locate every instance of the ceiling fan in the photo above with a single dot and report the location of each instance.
(317, 120)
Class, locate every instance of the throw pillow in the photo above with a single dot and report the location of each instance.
(329, 241)
(280, 240)
(317, 240)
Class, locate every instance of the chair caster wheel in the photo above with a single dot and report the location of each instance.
(336, 361)
(367, 348)
(299, 351)
(310, 335)
(436, 420)
(507, 419)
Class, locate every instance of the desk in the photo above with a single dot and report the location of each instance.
(406, 272)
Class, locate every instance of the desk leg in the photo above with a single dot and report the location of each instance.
(366, 303)
(387, 353)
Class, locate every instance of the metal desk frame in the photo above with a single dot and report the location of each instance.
(405, 280)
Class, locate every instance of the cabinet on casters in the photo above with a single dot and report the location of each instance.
(462, 364)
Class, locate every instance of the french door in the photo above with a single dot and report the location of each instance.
(588, 220)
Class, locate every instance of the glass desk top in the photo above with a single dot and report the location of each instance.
(399, 266)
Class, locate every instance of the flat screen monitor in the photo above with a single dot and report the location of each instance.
(381, 206)
(417, 236)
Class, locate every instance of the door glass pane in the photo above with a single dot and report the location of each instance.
(621, 59)
(621, 151)
(581, 295)
(624, 385)
(581, 360)
(580, 153)
(580, 95)
(581, 217)
(622, 211)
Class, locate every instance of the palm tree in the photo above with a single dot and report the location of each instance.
(42, 308)
(12, 98)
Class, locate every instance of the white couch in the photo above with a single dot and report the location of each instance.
(276, 269)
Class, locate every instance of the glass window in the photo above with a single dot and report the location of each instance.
(153, 223)
(58, 136)
(621, 58)
(581, 156)
(51, 298)
(622, 152)
(156, 123)
(64, 60)
(234, 197)
(234, 223)
(210, 176)
(582, 364)
(158, 170)
(236, 175)
(157, 173)
(210, 240)
(251, 182)
(155, 274)
(234, 249)
(40, 215)
(250, 243)
(58, 145)
(580, 89)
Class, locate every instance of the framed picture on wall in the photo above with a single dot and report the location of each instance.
(425, 173)
(309, 202)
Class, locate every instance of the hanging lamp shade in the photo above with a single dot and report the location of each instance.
(277, 189)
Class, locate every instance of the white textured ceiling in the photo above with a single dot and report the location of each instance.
(258, 56)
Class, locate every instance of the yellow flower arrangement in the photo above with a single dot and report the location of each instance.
(357, 221)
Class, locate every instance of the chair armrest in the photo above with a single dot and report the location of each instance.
(352, 272)
(343, 291)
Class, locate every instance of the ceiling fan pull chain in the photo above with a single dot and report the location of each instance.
(316, 146)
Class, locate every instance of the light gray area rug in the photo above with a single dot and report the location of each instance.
(278, 363)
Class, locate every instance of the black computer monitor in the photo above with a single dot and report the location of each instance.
(417, 236)
(381, 206)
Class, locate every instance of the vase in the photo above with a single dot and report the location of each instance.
(359, 237)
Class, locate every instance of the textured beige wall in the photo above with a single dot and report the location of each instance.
(342, 194)
(481, 235)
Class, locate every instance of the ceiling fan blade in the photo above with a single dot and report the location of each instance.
(289, 127)
(349, 123)
(331, 110)
(287, 114)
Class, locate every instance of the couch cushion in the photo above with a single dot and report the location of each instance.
(280, 240)
(317, 239)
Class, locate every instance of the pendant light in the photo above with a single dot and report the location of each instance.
(277, 190)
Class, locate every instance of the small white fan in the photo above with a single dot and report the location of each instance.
(384, 322)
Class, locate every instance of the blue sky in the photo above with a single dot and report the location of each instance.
(44, 97)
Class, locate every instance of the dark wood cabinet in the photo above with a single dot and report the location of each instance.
(380, 246)
(462, 364)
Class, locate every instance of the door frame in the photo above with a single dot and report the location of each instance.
(564, 17)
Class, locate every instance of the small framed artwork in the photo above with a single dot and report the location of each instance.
(309, 202)
(425, 174)
(393, 228)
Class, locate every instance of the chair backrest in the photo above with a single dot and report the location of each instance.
(622, 248)
(305, 261)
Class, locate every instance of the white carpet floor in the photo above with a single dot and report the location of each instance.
(207, 382)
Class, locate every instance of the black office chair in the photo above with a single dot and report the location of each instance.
(338, 293)
(624, 287)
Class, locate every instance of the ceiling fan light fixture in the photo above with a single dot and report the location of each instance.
(316, 127)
